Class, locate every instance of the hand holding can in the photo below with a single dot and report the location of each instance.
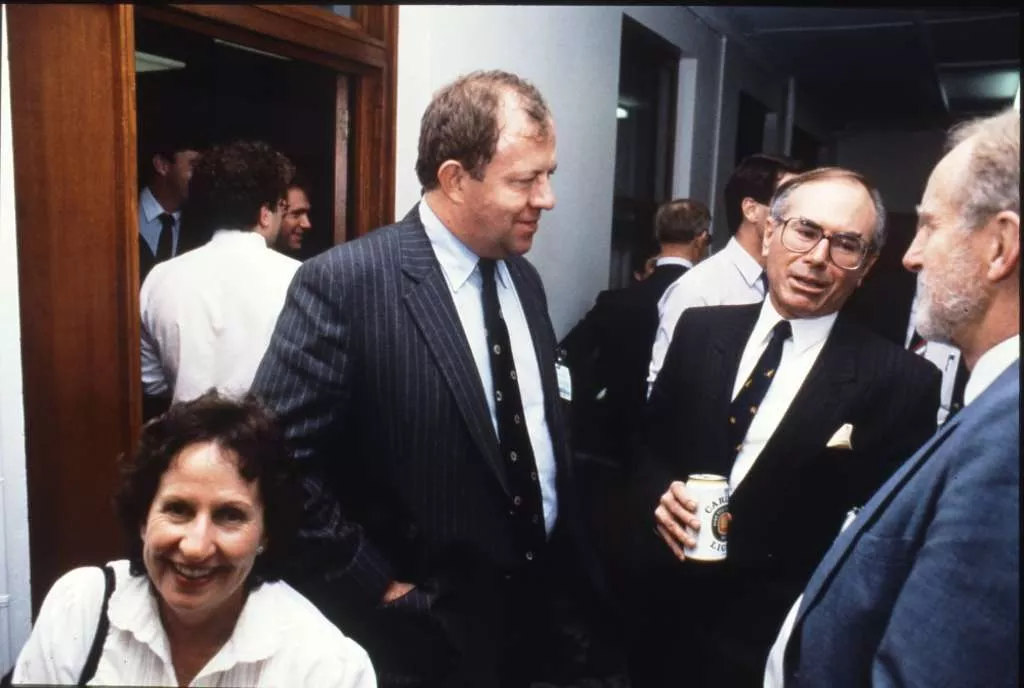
(711, 492)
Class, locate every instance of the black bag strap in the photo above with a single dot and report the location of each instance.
(102, 626)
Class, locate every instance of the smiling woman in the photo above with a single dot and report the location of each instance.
(208, 504)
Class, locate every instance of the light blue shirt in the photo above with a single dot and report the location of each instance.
(459, 265)
(149, 223)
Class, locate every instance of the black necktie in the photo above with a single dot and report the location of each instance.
(513, 439)
(751, 394)
(764, 283)
(956, 401)
(166, 240)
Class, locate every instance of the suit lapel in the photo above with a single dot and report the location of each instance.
(841, 548)
(430, 304)
(723, 362)
(881, 499)
(819, 407)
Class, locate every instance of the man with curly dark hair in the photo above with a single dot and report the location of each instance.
(207, 315)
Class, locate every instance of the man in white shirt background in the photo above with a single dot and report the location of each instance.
(732, 275)
(167, 165)
(804, 412)
(208, 314)
(922, 587)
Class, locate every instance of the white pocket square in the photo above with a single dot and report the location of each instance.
(841, 438)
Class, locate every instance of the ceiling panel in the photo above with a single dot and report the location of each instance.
(879, 64)
(992, 39)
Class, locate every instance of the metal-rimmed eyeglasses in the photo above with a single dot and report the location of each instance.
(846, 249)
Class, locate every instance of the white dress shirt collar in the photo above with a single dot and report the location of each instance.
(133, 608)
(991, 364)
(744, 262)
(806, 331)
(151, 207)
(673, 260)
(239, 237)
(456, 259)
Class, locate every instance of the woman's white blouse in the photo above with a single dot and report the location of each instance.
(280, 639)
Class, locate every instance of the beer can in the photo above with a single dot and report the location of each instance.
(711, 492)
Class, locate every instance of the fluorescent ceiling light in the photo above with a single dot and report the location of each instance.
(982, 84)
(621, 113)
(145, 62)
(251, 50)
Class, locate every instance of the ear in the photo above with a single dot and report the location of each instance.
(751, 209)
(770, 228)
(266, 216)
(142, 530)
(452, 178)
(160, 164)
(1003, 251)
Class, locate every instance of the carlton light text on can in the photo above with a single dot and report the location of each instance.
(711, 492)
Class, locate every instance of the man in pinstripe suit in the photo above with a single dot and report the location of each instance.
(419, 542)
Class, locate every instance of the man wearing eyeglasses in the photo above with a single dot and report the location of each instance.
(803, 411)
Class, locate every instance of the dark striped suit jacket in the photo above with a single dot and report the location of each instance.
(791, 504)
(371, 374)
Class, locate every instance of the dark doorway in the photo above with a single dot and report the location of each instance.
(750, 120)
(222, 91)
(805, 148)
(882, 303)
(644, 145)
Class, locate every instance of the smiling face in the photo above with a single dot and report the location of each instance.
(502, 210)
(201, 535)
(810, 285)
(295, 222)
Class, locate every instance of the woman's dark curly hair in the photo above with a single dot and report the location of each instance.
(246, 429)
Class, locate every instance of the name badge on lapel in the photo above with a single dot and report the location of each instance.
(564, 378)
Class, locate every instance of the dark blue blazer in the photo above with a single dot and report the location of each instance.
(923, 588)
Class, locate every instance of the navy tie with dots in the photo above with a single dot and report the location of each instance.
(751, 394)
(526, 509)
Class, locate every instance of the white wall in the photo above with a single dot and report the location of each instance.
(571, 53)
(898, 162)
(15, 601)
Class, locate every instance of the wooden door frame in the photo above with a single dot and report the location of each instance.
(74, 139)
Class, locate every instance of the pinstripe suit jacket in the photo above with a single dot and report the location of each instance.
(791, 504)
(372, 376)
